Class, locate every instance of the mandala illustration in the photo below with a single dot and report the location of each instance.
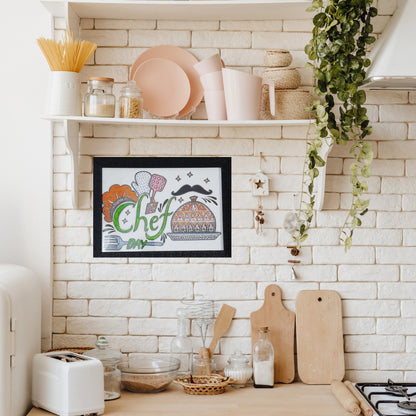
(193, 221)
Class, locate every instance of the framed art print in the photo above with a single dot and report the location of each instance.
(162, 207)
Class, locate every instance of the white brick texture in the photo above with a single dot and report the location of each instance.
(133, 301)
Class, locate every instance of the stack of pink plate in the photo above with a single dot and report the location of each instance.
(170, 84)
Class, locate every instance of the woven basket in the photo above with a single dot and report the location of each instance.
(290, 104)
(279, 58)
(283, 78)
(207, 385)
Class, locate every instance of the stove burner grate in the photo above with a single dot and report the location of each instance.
(397, 389)
(388, 407)
(407, 406)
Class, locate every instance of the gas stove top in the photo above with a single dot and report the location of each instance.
(390, 399)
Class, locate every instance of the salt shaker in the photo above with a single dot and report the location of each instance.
(239, 369)
(263, 360)
(110, 359)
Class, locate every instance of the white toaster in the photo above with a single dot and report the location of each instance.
(68, 384)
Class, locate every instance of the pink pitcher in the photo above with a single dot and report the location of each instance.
(242, 95)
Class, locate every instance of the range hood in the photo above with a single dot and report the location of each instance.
(393, 58)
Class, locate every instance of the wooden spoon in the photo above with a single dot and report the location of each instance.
(222, 323)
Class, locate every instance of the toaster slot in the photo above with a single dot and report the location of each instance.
(69, 358)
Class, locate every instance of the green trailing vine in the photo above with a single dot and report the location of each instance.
(337, 52)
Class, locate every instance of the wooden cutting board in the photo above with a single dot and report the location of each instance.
(319, 336)
(281, 323)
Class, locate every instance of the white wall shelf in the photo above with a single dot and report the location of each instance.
(182, 10)
(173, 122)
(72, 136)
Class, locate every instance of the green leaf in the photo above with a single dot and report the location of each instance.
(348, 243)
(366, 171)
(319, 161)
(320, 111)
(361, 97)
(354, 168)
(319, 20)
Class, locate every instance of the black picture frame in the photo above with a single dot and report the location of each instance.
(190, 235)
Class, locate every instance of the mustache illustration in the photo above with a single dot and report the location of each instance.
(188, 188)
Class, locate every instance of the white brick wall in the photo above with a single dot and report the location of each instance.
(134, 301)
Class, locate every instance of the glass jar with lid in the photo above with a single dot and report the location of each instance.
(131, 101)
(263, 360)
(100, 100)
(110, 359)
(239, 369)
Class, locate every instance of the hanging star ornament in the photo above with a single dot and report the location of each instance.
(259, 184)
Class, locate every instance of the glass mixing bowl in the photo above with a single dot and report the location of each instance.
(149, 374)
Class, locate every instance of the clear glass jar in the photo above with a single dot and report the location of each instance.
(181, 345)
(131, 101)
(110, 359)
(100, 100)
(203, 366)
(263, 360)
(239, 369)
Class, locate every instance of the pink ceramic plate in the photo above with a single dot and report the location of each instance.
(186, 61)
(165, 87)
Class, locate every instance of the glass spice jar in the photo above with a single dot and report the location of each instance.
(239, 369)
(263, 360)
(100, 100)
(203, 366)
(131, 101)
(110, 359)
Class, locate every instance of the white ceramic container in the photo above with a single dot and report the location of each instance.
(64, 94)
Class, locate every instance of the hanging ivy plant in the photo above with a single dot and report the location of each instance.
(337, 51)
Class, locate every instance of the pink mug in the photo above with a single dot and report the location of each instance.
(212, 64)
(212, 81)
(215, 105)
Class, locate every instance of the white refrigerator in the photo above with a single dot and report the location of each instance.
(20, 336)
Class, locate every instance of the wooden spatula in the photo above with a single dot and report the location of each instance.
(222, 323)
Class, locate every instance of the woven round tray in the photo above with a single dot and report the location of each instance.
(290, 104)
(280, 58)
(283, 78)
(208, 385)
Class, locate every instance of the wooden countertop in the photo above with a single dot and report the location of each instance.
(295, 399)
